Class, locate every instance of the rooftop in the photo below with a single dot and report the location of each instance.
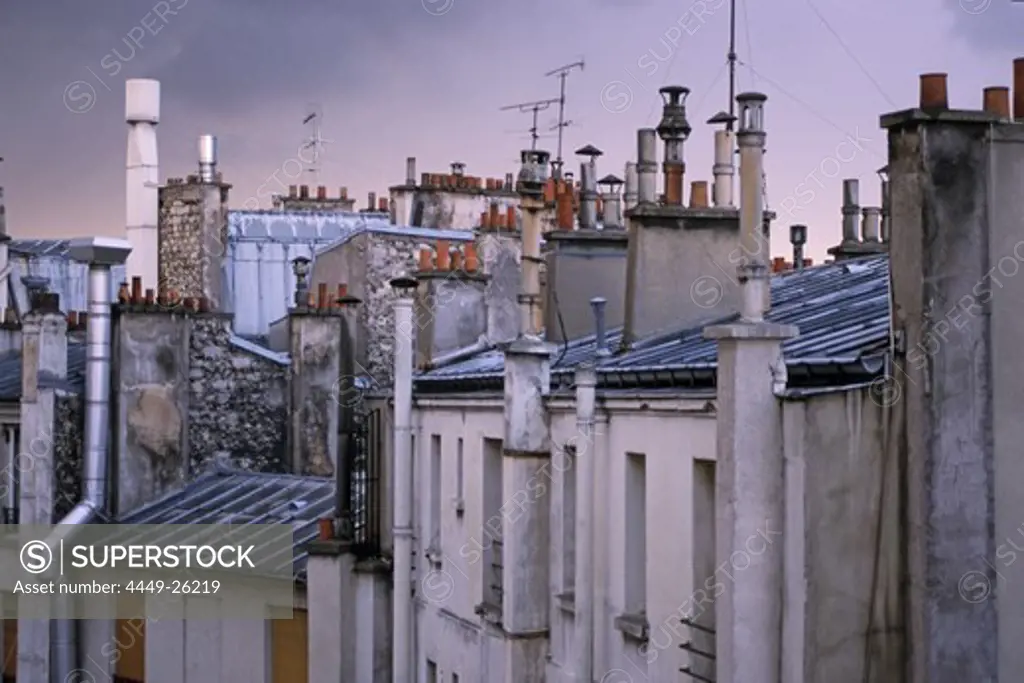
(840, 309)
(10, 372)
(227, 496)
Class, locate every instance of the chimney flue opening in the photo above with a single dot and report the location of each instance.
(996, 101)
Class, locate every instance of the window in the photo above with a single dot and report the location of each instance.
(569, 466)
(636, 533)
(492, 528)
(435, 492)
(459, 473)
(431, 672)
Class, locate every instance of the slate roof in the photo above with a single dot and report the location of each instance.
(841, 310)
(10, 372)
(224, 496)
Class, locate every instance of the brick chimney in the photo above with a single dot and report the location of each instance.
(193, 231)
(681, 260)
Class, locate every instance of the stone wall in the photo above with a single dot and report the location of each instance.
(386, 257)
(238, 405)
(193, 237)
(68, 449)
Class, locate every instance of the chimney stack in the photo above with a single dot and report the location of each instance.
(871, 226)
(142, 112)
(1018, 90)
(530, 184)
(207, 158)
(674, 129)
(611, 203)
(564, 215)
(303, 191)
(754, 276)
(851, 210)
(371, 201)
(798, 237)
(321, 192)
(410, 171)
(724, 169)
(647, 165)
(588, 194)
(600, 330)
(886, 202)
(629, 195)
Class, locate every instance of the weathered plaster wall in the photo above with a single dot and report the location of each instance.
(844, 573)
(316, 352)
(68, 443)
(237, 401)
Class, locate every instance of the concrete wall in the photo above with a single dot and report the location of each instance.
(150, 360)
(450, 313)
(317, 349)
(682, 265)
(582, 265)
(844, 608)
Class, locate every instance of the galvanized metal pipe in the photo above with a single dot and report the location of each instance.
(723, 170)
(631, 194)
(647, 165)
(142, 177)
(588, 195)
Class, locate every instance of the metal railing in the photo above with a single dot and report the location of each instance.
(366, 485)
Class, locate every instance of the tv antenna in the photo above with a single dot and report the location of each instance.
(732, 66)
(562, 72)
(313, 121)
(536, 108)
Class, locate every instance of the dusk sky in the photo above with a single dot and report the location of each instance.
(398, 78)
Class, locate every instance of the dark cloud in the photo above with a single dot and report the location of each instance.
(227, 55)
(989, 25)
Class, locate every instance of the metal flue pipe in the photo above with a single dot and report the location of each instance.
(586, 399)
(401, 664)
(101, 253)
(754, 276)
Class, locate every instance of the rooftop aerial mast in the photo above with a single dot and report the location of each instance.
(562, 72)
(535, 108)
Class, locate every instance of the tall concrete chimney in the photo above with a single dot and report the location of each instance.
(588, 192)
(724, 168)
(871, 225)
(530, 185)
(753, 269)
(142, 112)
(207, 158)
(851, 209)
(647, 165)
(852, 246)
(673, 130)
(630, 193)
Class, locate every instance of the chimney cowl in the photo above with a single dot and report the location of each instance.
(533, 174)
(458, 168)
(589, 151)
(798, 234)
(673, 125)
(611, 181)
(207, 158)
(751, 106)
(723, 118)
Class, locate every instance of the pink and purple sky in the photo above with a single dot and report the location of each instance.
(426, 78)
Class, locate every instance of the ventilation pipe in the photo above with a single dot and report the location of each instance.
(101, 253)
(588, 191)
(886, 229)
(798, 238)
(754, 275)
(410, 171)
(600, 327)
(611, 202)
(405, 288)
(851, 210)
(647, 165)
(673, 130)
(724, 169)
(142, 178)
(933, 92)
(207, 158)
(629, 195)
(586, 402)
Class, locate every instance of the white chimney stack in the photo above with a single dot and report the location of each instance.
(207, 158)
(142, 112)
(754, 268)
